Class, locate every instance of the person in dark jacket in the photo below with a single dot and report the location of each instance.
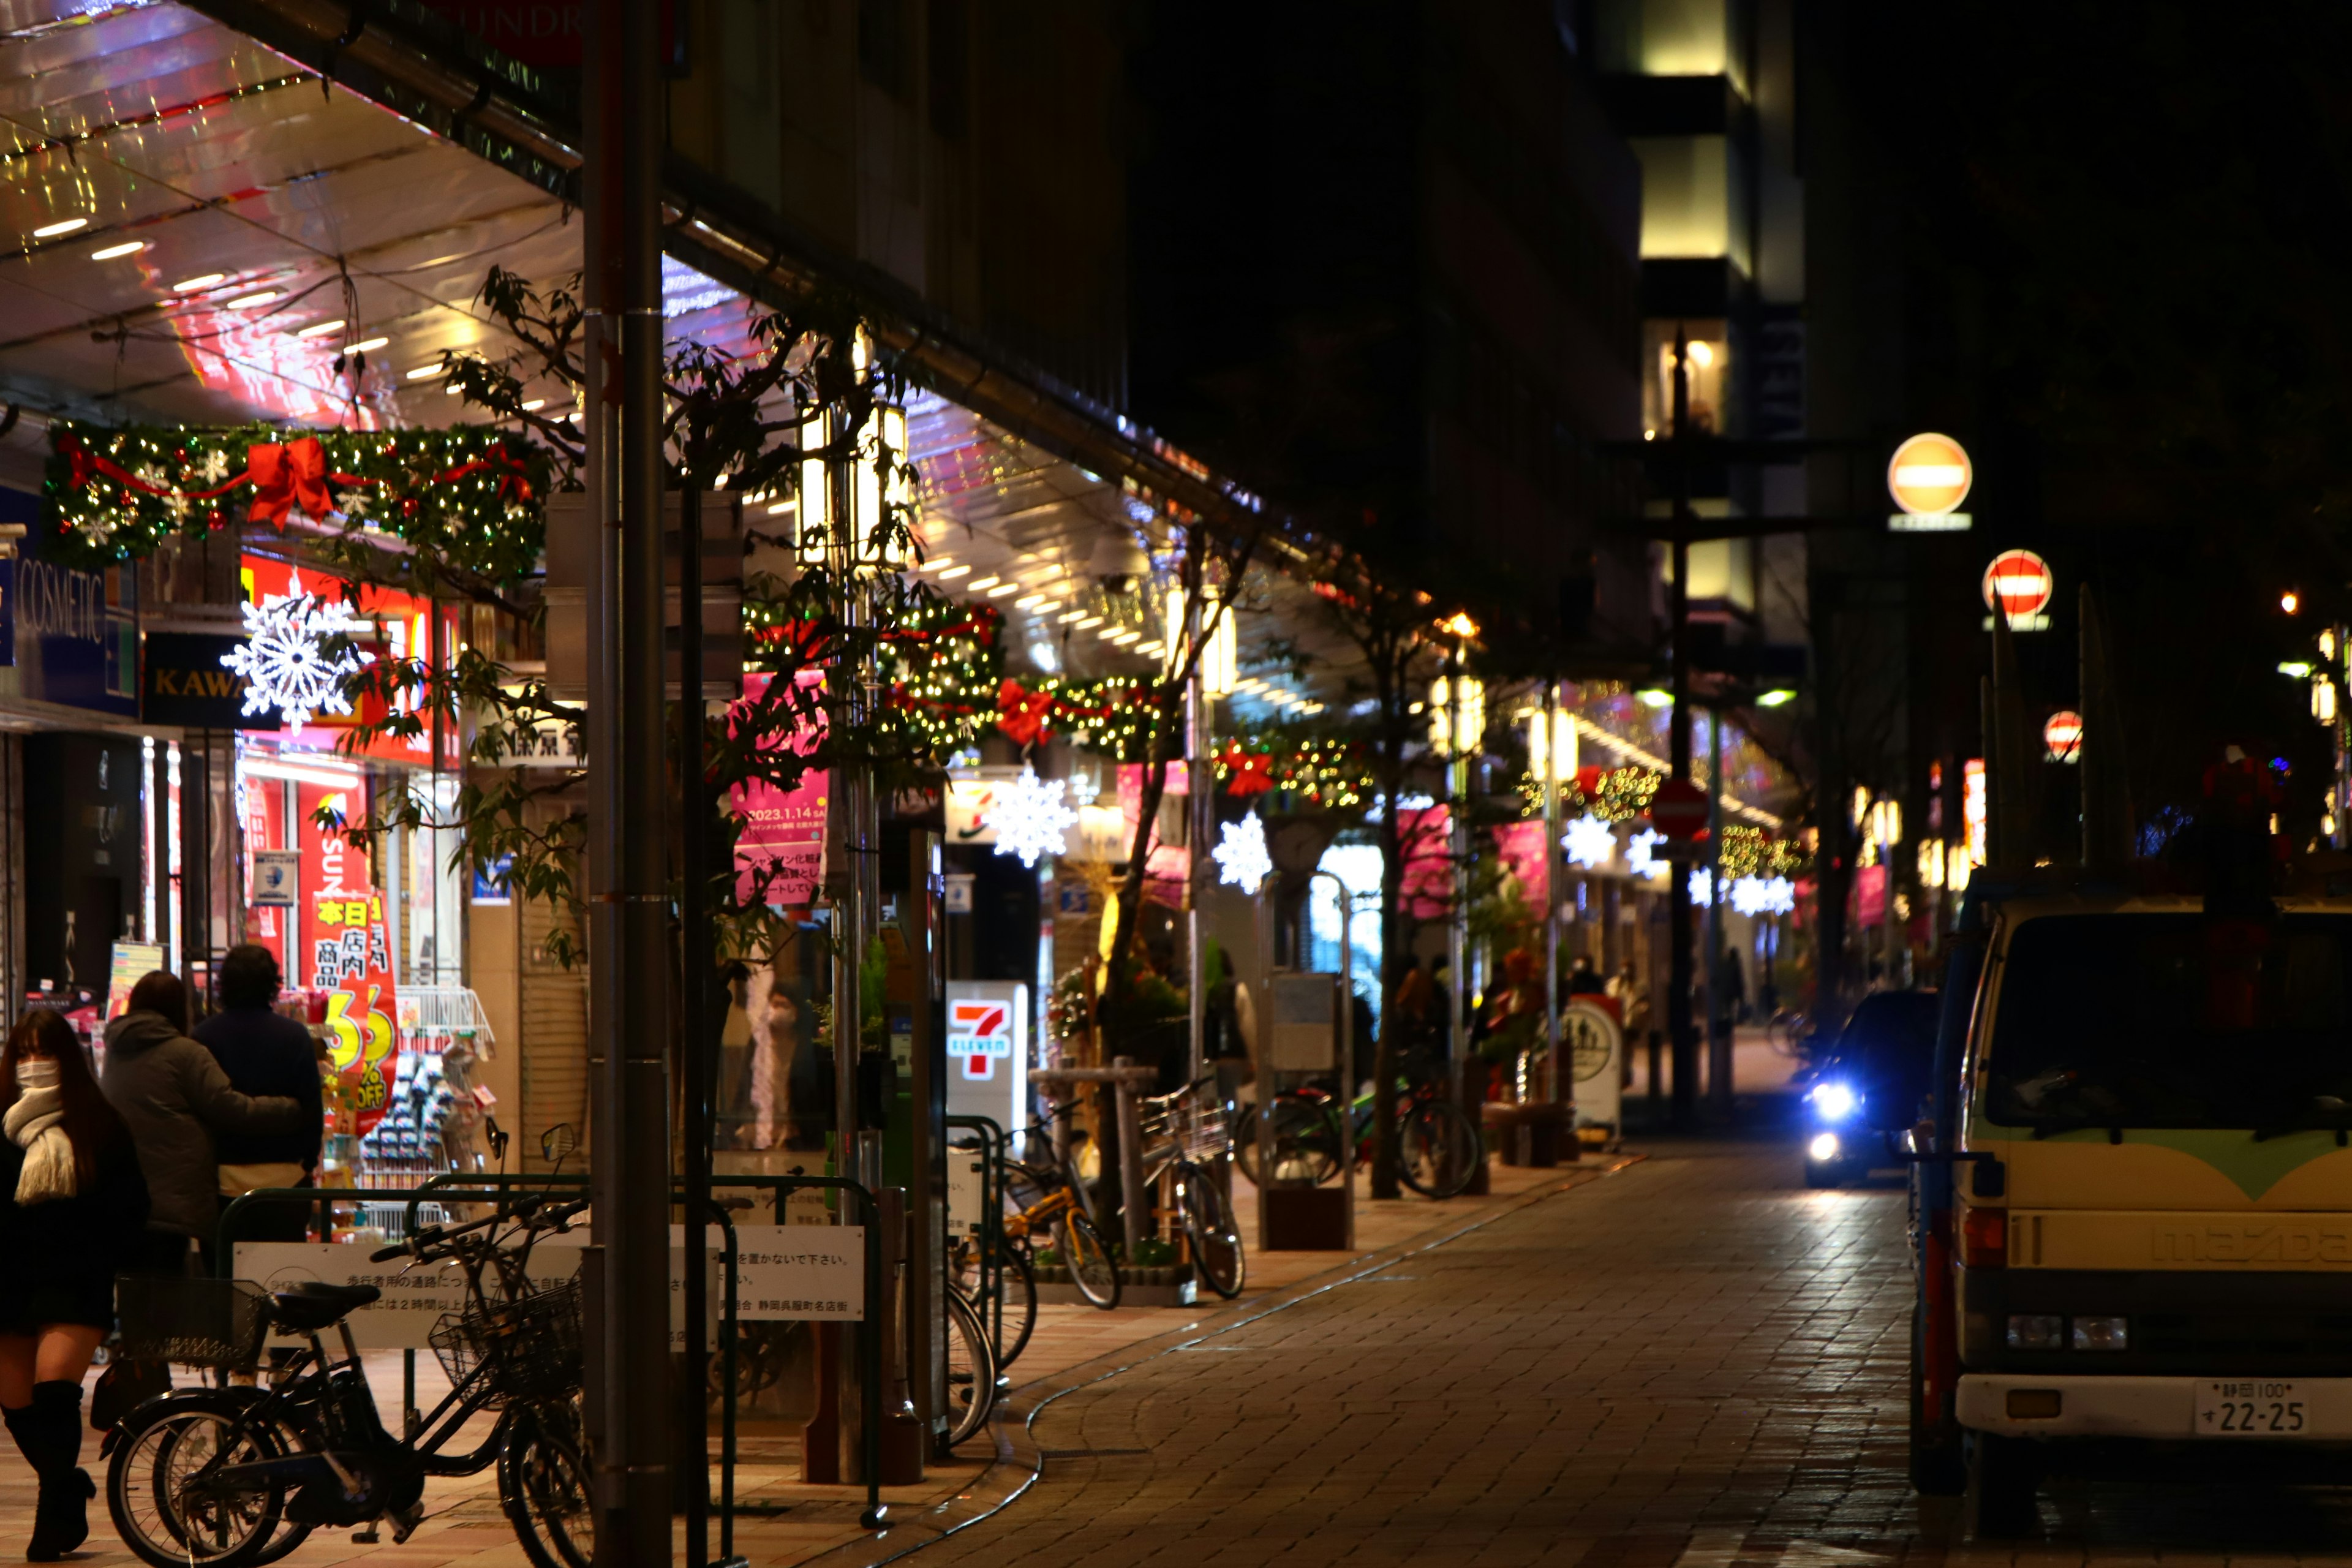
(175, 1098)
(263, 1053)
(72, 1206)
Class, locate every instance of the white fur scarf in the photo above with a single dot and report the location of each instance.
(33, 1125)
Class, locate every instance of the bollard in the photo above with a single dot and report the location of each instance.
(1138, 1223)
(821, 1438)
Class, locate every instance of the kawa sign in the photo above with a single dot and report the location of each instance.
(184, 682)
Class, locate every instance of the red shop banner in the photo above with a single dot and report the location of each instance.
(350, 960)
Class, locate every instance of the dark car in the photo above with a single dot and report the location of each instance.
(1864, 1097)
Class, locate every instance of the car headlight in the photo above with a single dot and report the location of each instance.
(2102, 1334)
(2036, 1331)
(1835, 1101)
(1822, 1149)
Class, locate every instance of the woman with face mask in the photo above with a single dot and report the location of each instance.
(73, 1208)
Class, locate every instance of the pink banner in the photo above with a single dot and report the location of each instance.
(1164, 872)
(1520, 846)
(1426, 836)
(782, 840)
(1869, 895)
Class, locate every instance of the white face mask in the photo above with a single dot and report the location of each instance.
(42, 1074)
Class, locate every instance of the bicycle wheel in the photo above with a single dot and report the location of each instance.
(1217, 1255)
(159, 1490)
(760, 1350)
(547, 1492)
(1305, 1135)
(1016, 1293)
(1438, 1148)
(1019, 1284)
(971, 1369)
(1087, 1259)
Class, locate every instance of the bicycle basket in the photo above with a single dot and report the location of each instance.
(524, 1349)
(1208, 1138)
(194, 1322)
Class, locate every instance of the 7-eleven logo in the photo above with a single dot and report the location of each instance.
(979, 1032)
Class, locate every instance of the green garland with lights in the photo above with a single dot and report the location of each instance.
(1332, 773)
(475, 495)
(1752, 852)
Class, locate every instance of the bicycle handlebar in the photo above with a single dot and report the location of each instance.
(532, 1217)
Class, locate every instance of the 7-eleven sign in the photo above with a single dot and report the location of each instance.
(980, 1030)
(987, 1039)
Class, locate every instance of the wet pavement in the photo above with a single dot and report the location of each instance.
(1694, 1363)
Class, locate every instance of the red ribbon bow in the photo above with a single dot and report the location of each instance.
(1246, 773)
(1022, 715)
(289, 476)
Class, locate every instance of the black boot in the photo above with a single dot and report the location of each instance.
(50, 1435)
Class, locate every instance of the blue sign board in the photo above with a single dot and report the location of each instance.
(74, 635)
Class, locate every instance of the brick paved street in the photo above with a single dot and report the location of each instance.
(1696, 1364)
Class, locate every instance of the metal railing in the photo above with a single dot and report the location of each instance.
(492, 1187)
(995, 1149)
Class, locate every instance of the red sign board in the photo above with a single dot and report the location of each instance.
(2019, 583)
(2061, 735)
(1680, 810)
(353, 966)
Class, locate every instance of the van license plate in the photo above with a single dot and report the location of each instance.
(2253, 1407)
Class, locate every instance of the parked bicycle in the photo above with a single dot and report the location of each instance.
(1046, 1202)
(1182, 1135)
(1438, 1145)
(230, 1477)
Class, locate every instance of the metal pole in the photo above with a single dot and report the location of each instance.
(1261, 1053)
(1678, 907)
(628, 924)
(693, 1054)
(1718, 1061)
(1555, 881)
(1199, 808)
(1347, 1058)
(1458, 920)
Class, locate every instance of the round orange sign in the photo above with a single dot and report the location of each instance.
(2061, 735)
(1930, 475)
(2019, 582)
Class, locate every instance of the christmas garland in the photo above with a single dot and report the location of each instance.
(475, 495)
(1329, 773)
(1753, 852)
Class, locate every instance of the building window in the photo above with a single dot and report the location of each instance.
(1710, 378)
(882, 44)
(951, 49)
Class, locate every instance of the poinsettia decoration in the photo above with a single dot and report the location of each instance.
(113, 493)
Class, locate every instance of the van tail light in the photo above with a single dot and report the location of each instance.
(1984, 1238)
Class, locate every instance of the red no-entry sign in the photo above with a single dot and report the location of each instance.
(1679, 809)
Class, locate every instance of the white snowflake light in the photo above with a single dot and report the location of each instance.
(1589, 841)
(285, 661)
(1030, 817)
(1749, 895)
(1702, 887)
(1638, 858)
(1241, 854)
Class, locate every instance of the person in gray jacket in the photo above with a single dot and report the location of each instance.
(176, 1097)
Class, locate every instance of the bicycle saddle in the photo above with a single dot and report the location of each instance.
(313, 1304)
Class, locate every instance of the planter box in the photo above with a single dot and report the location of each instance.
(1169, 1286)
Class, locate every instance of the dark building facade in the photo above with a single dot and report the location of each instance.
(1388, 271)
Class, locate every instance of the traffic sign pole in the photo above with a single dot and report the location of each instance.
(1678, 907)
